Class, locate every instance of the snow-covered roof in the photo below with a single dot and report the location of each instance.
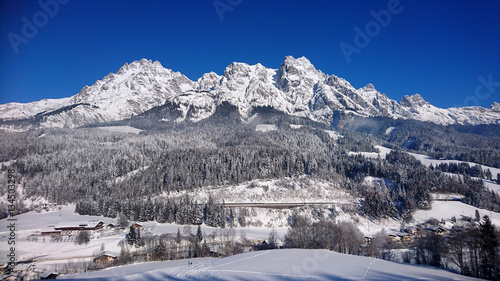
(108, 253)
(48, 273)
(87, 224)
(22, 266)
(434, 227)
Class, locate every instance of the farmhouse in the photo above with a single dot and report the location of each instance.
(436, 229)
(90, 226)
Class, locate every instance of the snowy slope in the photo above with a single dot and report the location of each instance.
(296, 88)
(293, 264)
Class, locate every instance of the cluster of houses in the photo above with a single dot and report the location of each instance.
(26, 271)
(408, 233)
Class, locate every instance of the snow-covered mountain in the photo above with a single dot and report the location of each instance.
(296, 88)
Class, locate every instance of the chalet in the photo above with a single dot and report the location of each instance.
(412, 230)
(436, 229)
(399, 237)
(393, 238)
(404, 237)
(146, 255)
(49, 275)
(368, 239)
(106, 258)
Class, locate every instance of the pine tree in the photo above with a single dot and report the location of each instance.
(489, 246)
(178, 236)
(132, 235)
(199, 235)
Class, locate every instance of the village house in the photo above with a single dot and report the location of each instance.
(412, 230)
(106, 258)
(436, 229)
(404, 237)
(393, 238)
(25, 271)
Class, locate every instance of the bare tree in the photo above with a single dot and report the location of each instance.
(83, 237)
(273, 238)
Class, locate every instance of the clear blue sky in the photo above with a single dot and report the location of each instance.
(435, 48)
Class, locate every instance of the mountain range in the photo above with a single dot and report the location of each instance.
(296, 88)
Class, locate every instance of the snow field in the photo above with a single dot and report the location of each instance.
(290, 264)
(265, 128)
(121, 129)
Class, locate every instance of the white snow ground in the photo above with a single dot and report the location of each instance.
(265, 128)
(291, 264)
(122, 129)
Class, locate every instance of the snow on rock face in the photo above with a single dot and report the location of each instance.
(296, 88)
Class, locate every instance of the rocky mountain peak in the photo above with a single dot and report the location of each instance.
(414, 100)
(369, 87)
(296, 88)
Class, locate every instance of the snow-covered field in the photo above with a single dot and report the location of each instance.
(122, 129)
(265, 128)
(334, 135)
(292, 264)
(383, 151)
(447, 209)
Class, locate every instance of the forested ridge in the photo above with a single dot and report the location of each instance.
(94, 165)
(479, 144)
